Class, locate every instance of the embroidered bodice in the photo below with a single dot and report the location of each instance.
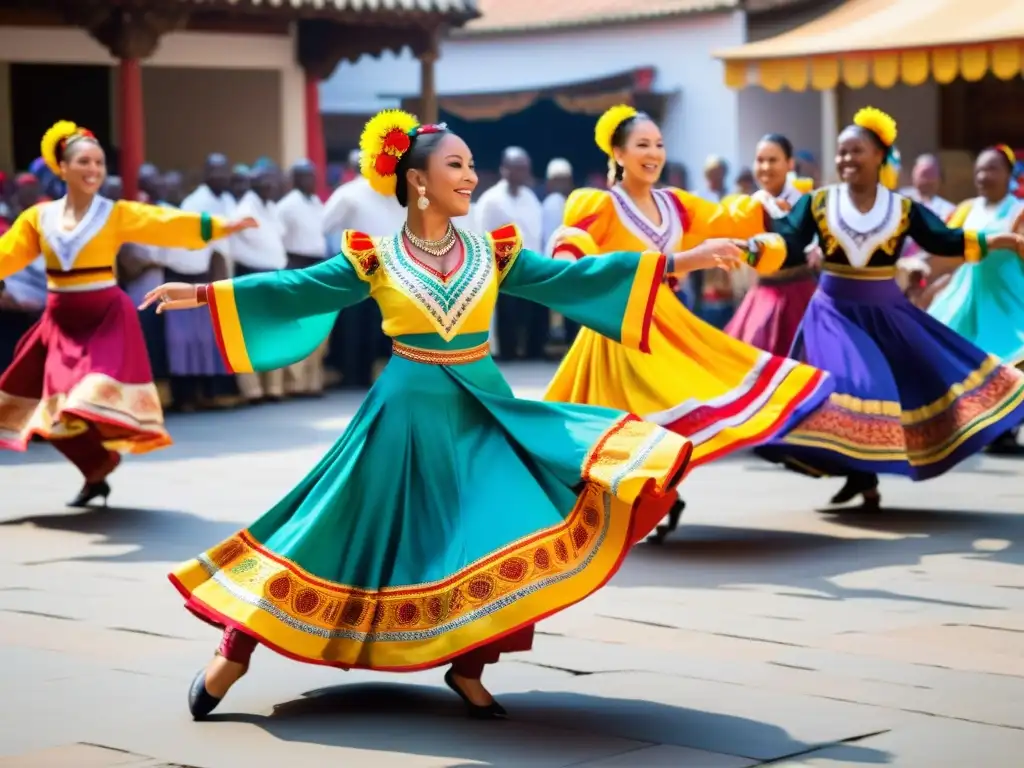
(853, 241)
(416, 299)
(600, 221)
(84, 258)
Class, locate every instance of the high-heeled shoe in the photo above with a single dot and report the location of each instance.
(200, 701)
(89, 492)
(492, 711)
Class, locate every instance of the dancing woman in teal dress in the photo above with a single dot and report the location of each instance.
(450, 516)
(984, 301)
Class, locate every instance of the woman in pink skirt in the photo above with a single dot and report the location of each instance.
(772, 310)
(80, 377)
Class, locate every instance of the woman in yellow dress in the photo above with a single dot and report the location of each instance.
(80, 376)
(719, 392)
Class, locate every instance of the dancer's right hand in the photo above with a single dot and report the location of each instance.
(171, 296)
(721, 253)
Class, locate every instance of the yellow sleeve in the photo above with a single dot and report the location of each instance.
(19, 246)
(959, 216)
(737, 216)
(584, 224)
(165, 227)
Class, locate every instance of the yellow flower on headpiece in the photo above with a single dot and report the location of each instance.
(608, 122)
(386, 137)
(879, 123)
(58, 132)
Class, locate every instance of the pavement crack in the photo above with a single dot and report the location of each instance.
(573, 672)
(988, 626)
(641, 622)
(792, 666)
(39, 613)
(822, 747)
(148, 633)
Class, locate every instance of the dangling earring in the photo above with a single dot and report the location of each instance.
(422, 203)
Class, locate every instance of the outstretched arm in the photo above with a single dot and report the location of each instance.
(272, 319)
(170, 227)
(932, 234)
(19, 246)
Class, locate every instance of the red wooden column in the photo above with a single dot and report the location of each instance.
(131, 125)
(316, 147)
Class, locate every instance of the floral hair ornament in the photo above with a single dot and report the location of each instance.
(884, 127)
(606, 126)
(423, 130)
(57, 139)
(386, 137)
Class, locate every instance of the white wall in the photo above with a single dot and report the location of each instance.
(702, 120)
(797, 116)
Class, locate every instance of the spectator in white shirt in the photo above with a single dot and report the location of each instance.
(199, 378)
(511, 201)
(260, 250)
(357, 343)
(926, 178)
(558, 185)
(301, 214)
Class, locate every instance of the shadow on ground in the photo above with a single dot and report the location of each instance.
(354, 716)
(708, 556)
(157, 535)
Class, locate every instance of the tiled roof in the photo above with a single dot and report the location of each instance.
(463, 8)
(523, 15)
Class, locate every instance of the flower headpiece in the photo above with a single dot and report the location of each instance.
(57, 139)
(386, 137)
(609, 122)
(884, 127)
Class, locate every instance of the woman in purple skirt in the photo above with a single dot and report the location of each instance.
(912, 397)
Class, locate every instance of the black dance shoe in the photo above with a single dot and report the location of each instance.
(663, 530)
(200, 702)
(492, 711)
(89, 492)
(860, 484)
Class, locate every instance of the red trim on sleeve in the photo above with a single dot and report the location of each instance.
(211, 296)
(684, 216)
(575, 250)
(659, 276)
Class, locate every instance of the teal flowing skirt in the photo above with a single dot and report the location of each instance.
(984, 302)
(448, 516)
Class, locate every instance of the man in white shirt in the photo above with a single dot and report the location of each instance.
(301, 214)
(511, 201)
(558, 186)
(260, 250)
(198, 375)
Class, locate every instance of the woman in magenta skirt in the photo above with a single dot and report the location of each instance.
(770, 314)
(80, 377)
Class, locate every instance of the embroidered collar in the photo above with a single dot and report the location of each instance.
(447, 302)
(661, 237)
(861, 234)
(67, 244)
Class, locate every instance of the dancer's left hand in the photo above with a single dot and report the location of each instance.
(1009, 241)
(171, 296)
(240, 225)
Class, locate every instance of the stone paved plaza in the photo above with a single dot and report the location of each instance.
(764, 632)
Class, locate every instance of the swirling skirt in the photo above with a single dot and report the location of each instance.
(912, 397)
(449, 516)
(84, 364)
(771, 312)
(721, 394)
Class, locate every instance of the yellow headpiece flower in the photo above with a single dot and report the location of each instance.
(386, 137)
(56, 138)
(608, 122)
(879, 123)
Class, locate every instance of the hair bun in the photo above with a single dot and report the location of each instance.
(386, 137)
(609, 122)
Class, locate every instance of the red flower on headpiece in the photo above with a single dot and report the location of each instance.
(385, 164)
(396, 142)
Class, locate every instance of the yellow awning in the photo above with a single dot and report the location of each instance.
(887, 42)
